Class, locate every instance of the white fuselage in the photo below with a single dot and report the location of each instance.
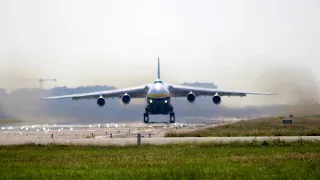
(158, 90)
(158, 99)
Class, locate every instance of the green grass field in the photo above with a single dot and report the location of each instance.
(237, 160)
(302, 126)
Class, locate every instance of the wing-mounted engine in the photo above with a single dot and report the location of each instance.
(101, 101)
(216, 99)
(126, 99)
(191, 97)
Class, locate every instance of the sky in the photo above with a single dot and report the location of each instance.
(232, 43)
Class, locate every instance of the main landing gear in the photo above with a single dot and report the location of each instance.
(172, 117)
(145, 117)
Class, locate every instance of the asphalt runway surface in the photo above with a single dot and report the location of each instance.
(119, 133)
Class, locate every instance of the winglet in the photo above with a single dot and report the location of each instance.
(158, 68)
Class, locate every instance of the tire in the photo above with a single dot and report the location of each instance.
(146, 118)
(172, 118)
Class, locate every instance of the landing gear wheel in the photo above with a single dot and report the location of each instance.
(172, 117)
(145, 117)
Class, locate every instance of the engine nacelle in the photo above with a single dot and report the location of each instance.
(101, 101)
(191, 97)
(126, 99)
(216, 99)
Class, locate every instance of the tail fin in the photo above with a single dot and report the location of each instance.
(158, 68)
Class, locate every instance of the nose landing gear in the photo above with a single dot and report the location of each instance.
(148, 112)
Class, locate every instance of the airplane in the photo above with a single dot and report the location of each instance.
(158, 96)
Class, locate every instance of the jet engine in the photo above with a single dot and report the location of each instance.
(191, 97)
(126, 99)
(101, 102)
(216, 99)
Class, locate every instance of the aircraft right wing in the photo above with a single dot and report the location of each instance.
(134, 92)
(182, 91)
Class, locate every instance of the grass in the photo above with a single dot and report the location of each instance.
(238, 160)
(302, 126)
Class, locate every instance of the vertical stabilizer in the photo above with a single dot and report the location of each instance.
(158, 68)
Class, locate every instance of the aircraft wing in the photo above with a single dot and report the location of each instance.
(182, 91)
(134, 92)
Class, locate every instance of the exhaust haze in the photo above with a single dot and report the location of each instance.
(296, 84)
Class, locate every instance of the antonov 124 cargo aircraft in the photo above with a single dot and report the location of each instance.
(158, 96)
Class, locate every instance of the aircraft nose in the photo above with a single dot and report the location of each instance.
(158, 90)
(158, 86)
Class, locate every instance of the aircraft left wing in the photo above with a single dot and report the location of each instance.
(182, 91)
(134, 92)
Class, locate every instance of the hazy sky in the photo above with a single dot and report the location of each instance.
(117, 42)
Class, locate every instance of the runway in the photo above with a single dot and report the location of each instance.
(116, 130)
(120, 134)
(157, 141)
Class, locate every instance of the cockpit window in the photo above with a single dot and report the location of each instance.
(157, 81)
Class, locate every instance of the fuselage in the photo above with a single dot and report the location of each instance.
(158, 98)
(158, 90)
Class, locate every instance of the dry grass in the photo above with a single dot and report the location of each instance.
(302, 126)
